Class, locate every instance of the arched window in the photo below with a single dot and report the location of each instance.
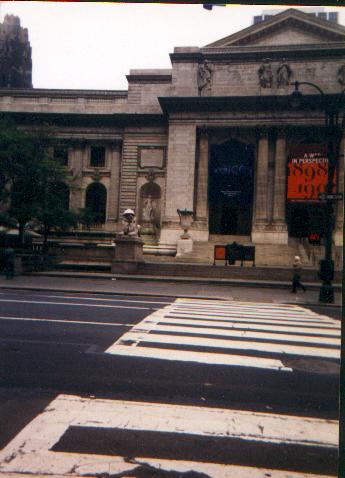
(96, 201)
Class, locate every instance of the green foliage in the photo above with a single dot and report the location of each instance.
(87, 217)
(30, 178)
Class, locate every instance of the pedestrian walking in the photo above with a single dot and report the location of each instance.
(297, 273)
(9, 259)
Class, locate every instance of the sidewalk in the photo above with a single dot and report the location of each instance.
(169, 287)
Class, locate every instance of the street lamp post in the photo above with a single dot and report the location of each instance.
(333, 130)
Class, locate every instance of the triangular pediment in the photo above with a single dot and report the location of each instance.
(291, 27)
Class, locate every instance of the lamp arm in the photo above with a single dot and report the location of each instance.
(298, 83)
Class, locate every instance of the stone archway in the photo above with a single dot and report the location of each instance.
(150, 208)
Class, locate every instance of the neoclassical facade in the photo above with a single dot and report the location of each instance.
(216, 134)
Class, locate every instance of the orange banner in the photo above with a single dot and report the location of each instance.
(307, 172)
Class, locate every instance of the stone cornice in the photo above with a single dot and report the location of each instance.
(149, 78)
(47, 92)
(240, 103)
(239, 53)
(80, 119)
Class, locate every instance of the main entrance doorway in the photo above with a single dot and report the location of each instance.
(231, 179)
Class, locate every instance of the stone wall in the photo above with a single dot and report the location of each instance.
(241, 78)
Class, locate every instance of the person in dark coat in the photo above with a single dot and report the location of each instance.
(9, 257)
(297, 272)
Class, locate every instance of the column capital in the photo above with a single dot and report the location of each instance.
(262, 132)
(203, 131)
(281, 132)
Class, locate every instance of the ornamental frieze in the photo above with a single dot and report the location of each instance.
(280, 78)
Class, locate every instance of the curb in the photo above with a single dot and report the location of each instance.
(216, 281)
(151, 294)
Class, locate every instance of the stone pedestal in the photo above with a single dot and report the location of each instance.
(184, 246)
(128, 254)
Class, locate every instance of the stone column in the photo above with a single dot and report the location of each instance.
(76, 196)
(179, 179)
(260, 211)
(202, 181)
(114, 157)
(279, 221)
(339, 216)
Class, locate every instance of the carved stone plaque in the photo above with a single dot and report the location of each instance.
(151, 157)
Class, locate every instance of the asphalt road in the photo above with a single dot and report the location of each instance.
(52, 360)
(48, 319)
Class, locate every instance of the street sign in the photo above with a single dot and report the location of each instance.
(330, 197)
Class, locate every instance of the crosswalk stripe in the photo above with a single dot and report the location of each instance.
(233, 325)
(250, 347)
(43, 447)
(244, 334)
(263, 320)
(200, 357)
(196, 331)
(231, 313)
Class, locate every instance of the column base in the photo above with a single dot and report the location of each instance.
(170, 236)
(270, 234)
(338, 238)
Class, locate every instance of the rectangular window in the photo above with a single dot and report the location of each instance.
(333, 17)
(322, 15)
(97, 159)
(61, 155)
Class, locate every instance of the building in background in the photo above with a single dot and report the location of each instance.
(215, 134)
(318, 12)
(15, 55)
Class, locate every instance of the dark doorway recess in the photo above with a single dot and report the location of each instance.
(96, 201)
(305, 218)
(231, 179)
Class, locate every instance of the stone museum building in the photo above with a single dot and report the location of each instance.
(217, 134)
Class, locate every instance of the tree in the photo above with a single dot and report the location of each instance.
(28, 174)
(53, 212)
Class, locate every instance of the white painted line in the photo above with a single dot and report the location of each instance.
(251, 326)
(71, 304)
(198, 357)
(29, 451)
(262, 320)
(245, 334)
(304, 351)
(222, 313)
(246, 306)
(35, 319)
(101, 299)
(237, 303)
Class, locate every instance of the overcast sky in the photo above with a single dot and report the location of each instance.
(93, 45)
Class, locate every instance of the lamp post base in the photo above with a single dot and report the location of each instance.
(326, 294)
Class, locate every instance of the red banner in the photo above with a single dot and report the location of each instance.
(307, 172)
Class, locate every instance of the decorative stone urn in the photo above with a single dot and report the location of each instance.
(185, 243)
(128, 246)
